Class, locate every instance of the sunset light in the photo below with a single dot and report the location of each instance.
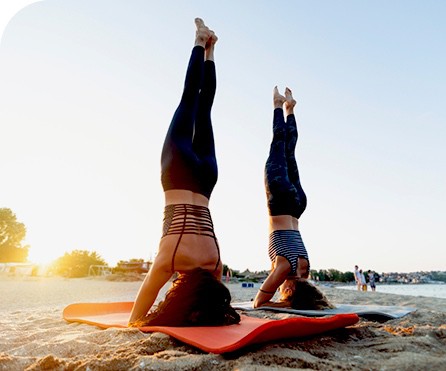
(283, 210)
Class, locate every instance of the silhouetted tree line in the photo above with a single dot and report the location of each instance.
(12, 234)
(76, 263)
(331, 275)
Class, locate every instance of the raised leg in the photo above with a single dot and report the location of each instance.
(276, 173)
(178, 160)
(290, 147)
(284, 192)
(203, 141)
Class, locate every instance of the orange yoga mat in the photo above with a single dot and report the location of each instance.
(217, 339)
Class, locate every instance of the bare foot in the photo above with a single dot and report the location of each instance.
(210, 46)
(278, 99)
(290, 102)
(212, 40)
(202, 34)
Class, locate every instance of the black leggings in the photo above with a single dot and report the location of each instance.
(188, 157)
(283, 189)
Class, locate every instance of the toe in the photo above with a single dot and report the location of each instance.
(199, 23)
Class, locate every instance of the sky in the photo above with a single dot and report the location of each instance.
(88, 89)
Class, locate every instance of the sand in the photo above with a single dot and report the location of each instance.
(33, 335)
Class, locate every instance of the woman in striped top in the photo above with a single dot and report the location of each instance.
(286, 203)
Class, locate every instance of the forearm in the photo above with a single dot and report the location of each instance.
(143, 302)
(262, 299)
(267, 291)
(154, 281)
(270, 286)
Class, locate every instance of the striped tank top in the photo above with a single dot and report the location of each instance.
(288, 244)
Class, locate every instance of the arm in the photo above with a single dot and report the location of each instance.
(272, 282)
(219, 271)
(154, 281)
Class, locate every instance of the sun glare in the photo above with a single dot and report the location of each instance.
(42, 257)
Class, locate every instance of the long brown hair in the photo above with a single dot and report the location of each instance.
(307, 296)
(196, 298)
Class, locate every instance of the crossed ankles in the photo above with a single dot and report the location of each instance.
(284, 101)
(206, 38)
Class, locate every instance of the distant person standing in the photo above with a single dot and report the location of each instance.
(363, 282)
(371, 279)
(357, 278)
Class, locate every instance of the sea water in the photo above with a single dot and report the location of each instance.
(426, 290)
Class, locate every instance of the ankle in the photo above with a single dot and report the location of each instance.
(209, 54)
(199, 42)
(278, 101)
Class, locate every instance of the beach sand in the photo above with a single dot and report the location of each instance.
(34, 336)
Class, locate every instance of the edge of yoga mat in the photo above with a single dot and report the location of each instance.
(216, 339)
(372, 312)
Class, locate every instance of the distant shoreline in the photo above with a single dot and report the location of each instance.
(135, 277)
(427, 290)
(388, 283)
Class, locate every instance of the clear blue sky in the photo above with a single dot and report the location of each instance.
(88, 88)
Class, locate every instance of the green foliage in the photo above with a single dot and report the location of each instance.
(76, 263)
(12, 233)
(348, 277)
(332, 275)
(438, 276)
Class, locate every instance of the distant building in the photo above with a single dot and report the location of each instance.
(132, 267)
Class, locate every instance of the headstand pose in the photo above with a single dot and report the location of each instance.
(188, 175)
(286, 203)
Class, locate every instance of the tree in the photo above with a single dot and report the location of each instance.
(76, 263)
(331, 275)
(348, 277)
(12, 234)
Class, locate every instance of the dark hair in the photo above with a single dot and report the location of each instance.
(196, 298)
(308, 296)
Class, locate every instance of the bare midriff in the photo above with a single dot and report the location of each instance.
(181, 196)
(194, 251)
(283, 222)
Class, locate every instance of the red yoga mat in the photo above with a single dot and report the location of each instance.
(216, 339)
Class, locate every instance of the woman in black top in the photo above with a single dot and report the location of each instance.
(188, 175)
